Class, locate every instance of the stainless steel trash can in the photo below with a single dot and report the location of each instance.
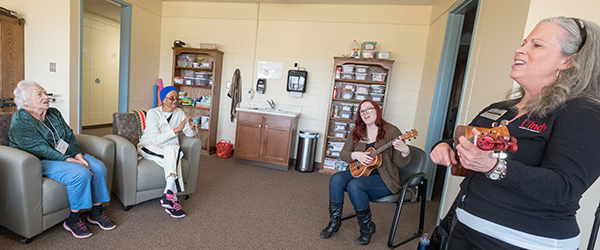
(307, 144)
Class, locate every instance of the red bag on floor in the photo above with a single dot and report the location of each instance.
(224, 149)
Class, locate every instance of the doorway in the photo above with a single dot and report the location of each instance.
(105, 37)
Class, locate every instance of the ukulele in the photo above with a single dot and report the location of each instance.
(358, 169)
(492, 139)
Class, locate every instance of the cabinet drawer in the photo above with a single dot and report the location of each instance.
(249, 117)
(279, 121)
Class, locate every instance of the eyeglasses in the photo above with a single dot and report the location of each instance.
(171, 99)
(367, 111)
(582, 32)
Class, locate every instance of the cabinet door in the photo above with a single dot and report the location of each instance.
(247, 137)
(276, 139)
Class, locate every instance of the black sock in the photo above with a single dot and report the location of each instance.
(73, 218)
(96, 211)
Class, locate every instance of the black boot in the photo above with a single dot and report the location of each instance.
(335, 216)
(367, 227)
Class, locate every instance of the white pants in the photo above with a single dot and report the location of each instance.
(168, 157)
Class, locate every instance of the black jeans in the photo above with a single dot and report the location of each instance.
(463, 238)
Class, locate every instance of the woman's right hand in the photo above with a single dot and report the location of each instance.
(443, 154)
(83, 163)
(182, 125)
(362, 157)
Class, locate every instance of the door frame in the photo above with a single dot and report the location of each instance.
(443, 85)
(124, 58)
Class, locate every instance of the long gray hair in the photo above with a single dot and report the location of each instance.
(581, 80)
(21, 93)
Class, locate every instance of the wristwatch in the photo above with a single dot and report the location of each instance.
(499, 170)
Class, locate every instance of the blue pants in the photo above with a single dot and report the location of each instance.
(83, 188)
(360, 190)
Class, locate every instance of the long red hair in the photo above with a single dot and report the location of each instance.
(360, 128)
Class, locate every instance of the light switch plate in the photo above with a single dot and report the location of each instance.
(52, 67)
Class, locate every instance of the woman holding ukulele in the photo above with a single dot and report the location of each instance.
(371, 131)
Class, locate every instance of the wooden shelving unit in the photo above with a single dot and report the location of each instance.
(208, 136)
(375, 66)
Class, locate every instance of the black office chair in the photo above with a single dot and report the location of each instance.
(411, 176)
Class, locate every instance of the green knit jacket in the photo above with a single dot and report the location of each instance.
(29, 134)
(391, 159)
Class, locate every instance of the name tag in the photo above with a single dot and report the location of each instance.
(494, 114)
(62, 146)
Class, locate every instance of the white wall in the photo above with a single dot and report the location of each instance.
(310, 34)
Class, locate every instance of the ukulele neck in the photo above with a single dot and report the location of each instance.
(382, 148)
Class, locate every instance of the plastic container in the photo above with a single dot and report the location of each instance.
(307, 144)
(377, 97)
(202, 75)
(340, 126)
(377, 89)
(378, 77)
(360, 76)
(369, 45)
(362, 88)
(382, 55)
(340, 134)
(349, 87)
(360, 97)
(189, 80)
(347, 94)
(348, 68)
(346, 114)
(188, 73)
(202, 81)
(368, 53)
(347, 76)
(347, 107)
(361, 68)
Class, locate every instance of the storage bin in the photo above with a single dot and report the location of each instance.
(188, 73)
(361, 68)
(377, 89)
(369, 45)
(348, 68)
(378, 77)
(382, 54)
(368, 54)
(360, 97)
(202, 81)
(362, 88)
(340, 126)
(335, 153)
(203, 75)
(346, 115)
(349, 87)
(360, 76)
(347, 107)
(347, 94)
(377, 97)
(347, 76)
(189, 80)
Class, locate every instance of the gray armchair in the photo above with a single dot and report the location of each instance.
(38, 203)
(136, 181)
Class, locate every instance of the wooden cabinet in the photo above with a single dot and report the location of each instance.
(266, 138)
(369, 79)
(203, 81)
(12, 56)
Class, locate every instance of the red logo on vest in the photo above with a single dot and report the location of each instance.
(531, 126)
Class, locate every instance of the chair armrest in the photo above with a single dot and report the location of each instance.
(125, 170)
(191, 147)
(103, 150)
(20, 192)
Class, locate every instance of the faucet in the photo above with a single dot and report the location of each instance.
(271, 103)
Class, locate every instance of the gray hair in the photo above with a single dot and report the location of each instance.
(580, 80)
(21, 93)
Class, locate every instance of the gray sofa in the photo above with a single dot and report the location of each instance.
(136, 181)
(30, 202)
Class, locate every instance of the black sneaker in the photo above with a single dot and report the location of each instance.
(167, 200)
(176, 211)
(102, 221)
(79, 230)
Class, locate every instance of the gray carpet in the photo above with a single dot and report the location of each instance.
(236, 206)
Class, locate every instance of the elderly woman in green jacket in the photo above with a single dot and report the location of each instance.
(42, 131)
(371, 131)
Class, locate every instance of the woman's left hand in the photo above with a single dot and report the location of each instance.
(401, 146)
(473, 158)
(192, 124)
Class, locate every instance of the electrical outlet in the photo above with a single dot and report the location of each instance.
(52, 67)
